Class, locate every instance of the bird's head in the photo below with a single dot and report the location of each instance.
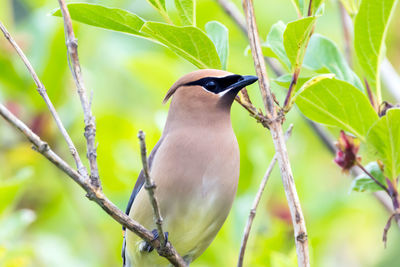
(208, 88)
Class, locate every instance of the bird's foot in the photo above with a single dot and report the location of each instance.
(147, 246)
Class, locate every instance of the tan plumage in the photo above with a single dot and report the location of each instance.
(195, 166)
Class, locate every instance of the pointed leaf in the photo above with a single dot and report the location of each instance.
(273, 46)
(186, 41)
(299, 5)
(351, 6)
(315, 5)
(286, 79)
(302, 82)
(218, 33)
(187, 11)
(295, 39)
(384, 137)
(370, 29)
(105, 17)
(159, 5)
(337, 103)
(323, 54)
(364, 183)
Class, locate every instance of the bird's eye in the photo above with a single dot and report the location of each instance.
(211, 85)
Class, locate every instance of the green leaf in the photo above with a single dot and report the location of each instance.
(13, 225)
(187, 11)
(337, 103)
(219, 34)
(105, 17)
(322, 54)
(384, 137)
(364, 183)
(273, 46)
(295, 39)
(351, 6)
(186, 41)
(159, 5)
(370, 29)
(286, 79)
(9, 188)
(299, 5)
(315, 5)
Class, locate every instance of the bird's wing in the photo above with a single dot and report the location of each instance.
(139, 184)
(140, 180)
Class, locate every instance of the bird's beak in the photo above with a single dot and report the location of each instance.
(243, 82)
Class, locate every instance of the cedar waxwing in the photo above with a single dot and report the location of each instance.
(195, 166)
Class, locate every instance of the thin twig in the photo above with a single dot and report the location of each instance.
(300, 231)
(232, 11)
(92, 193)
(150, 186)
(386, 229)
(371, 97)
(373, 178)
(90, 125)
(256, 201)
(43, 93)
(381, 196)
(253, 111)
(309, 9)
(258, 58)
(287, 104)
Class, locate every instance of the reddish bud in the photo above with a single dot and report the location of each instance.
(346, 156)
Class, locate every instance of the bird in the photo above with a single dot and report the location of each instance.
(195, 166)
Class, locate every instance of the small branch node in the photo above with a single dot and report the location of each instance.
(301, 237)
(150, 186)
(42, 147)
(72, 43)
(253, 212)
(298, 218)
(91, 195)
(42, 91)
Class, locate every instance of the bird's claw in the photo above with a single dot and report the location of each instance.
(148, 247)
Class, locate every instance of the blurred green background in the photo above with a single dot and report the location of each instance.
(45, 219)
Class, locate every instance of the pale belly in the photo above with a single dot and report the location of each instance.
(196, 186)
(192, 221)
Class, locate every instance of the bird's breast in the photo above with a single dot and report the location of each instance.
(196, 175)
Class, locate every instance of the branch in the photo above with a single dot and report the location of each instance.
(256, 201)
(150, 186)
(254, 112)
(92, 193)
(233, 12)
(309, 9)
(43, 93)
(300, 231)
(75, 67)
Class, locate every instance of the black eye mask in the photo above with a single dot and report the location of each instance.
(217, 85)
